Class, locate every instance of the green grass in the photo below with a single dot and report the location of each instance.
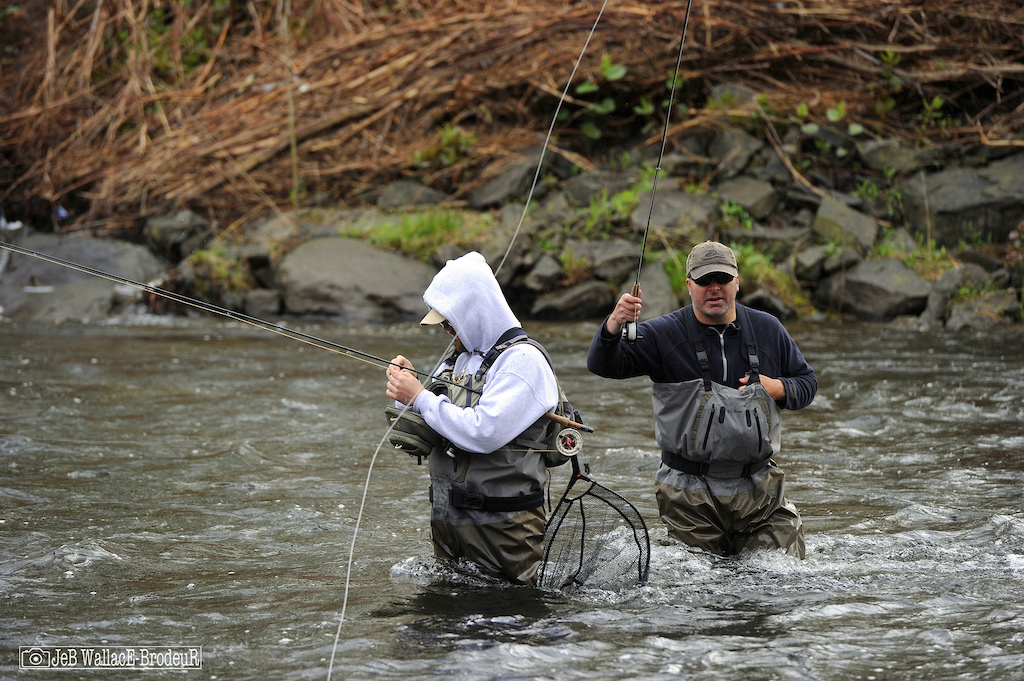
(420, 234)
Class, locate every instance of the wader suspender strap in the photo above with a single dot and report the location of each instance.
(747, 336)
(695, 331)
(507, 340)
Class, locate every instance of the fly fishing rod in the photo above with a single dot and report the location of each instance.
(629, 329)
(293, 334)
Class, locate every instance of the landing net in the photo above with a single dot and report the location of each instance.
(594, 538)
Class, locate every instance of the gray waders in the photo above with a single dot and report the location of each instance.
(489, 508)
(717, 487)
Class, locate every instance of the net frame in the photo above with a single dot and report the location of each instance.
(566, 568)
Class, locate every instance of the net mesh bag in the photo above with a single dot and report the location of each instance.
(594, 538)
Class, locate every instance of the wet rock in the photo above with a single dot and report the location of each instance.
(610, 260)
(763, 300)
(680, 215)
(353, 280)
(943, 290)
(514, 181)
(838, 223)
(658, 296)
(754, 196)
(890, 156)
(731, 150)
(544, 274)
(80, 301)
(875, 290)
(581, 189)
(175, 237)
(408, 193)
(27, 278)
(985, 312)
(777, 244)
(587, 300)
(262, 302)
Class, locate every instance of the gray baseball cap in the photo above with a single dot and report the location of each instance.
(709, 257)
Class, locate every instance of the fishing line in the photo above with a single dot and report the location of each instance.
(515, 235)
(292, 334)
(547, 139)
(629, 329)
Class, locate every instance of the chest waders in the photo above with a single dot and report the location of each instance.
(489, 508)
(718, 488)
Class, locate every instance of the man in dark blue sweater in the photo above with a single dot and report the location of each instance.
(721, 372)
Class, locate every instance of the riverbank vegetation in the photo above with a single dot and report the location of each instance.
(114, 111)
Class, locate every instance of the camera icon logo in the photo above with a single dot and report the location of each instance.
(35, 658)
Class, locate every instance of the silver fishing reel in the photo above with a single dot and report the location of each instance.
(569, 442)
(629, 332)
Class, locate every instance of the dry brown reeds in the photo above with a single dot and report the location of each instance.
(122, 108)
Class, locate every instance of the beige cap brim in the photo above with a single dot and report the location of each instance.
(700, 271)
(433, 317)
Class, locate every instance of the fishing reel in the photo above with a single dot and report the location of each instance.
(569, 441)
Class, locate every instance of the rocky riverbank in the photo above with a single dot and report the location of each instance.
(932, 239)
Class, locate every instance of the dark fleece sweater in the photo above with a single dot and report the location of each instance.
(664, 353)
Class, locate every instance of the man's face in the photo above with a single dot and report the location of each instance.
(714, 302)
(451, 330)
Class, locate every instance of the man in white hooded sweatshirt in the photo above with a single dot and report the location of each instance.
(487, 477)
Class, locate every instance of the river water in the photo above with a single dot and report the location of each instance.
(192, 482)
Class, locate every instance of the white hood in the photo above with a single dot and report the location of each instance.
(467, 294)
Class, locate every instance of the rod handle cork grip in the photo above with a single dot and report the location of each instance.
(566, 421)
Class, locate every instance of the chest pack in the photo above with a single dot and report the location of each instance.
(558, 443)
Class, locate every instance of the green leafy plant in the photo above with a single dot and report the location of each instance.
(890, 60)
(453, 145)
(735, 215)
(574, 268)
(594, 109)
(931, 114)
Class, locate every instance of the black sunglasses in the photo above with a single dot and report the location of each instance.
(720, 278)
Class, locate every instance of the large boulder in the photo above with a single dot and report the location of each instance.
(878, 290)
(590, 299)
(967, 204)
(30, 287)
(177, 236)
(347, 278)
(680, 215)
(988, 311)
(943, 290)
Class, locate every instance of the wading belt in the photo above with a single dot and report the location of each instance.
(718, 469)
(478, 502)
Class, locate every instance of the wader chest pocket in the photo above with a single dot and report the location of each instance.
(731, 426)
